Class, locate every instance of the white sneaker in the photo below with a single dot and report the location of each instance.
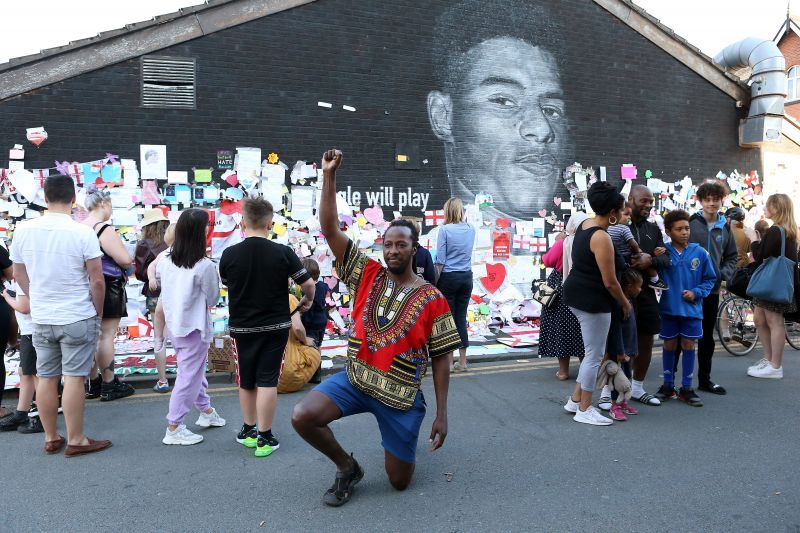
(592, 416)
(766, 371)
(570, 406)
(210, 419)
(181, 436)
(761, 364)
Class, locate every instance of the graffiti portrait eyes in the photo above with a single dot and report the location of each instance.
(503, 101)
(554, 112)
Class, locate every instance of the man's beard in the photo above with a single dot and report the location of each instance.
(398, 271)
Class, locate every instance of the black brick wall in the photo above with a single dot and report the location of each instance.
(259, 83)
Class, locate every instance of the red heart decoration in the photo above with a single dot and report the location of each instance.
(495, 276)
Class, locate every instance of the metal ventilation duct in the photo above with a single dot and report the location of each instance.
(767, 87)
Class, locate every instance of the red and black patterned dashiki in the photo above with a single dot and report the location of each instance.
(394, 331)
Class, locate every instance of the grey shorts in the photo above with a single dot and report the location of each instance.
(66, 350)
(27, 355)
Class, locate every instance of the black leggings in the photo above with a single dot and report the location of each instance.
(456, 287)
(5, 319)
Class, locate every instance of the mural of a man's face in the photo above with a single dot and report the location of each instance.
(504, 126)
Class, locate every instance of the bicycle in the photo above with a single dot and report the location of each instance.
(742, 335)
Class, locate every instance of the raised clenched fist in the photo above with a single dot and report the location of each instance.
(331, 160)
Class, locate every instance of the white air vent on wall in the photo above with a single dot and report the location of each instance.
(168, 82)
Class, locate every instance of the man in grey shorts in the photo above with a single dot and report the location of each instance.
(57, 264)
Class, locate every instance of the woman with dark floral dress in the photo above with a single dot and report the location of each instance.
(560, 333)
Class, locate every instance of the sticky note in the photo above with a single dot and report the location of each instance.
(177, 176)
(202, 175)
(628, 172)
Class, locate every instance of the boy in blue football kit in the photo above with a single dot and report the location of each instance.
(690, 278)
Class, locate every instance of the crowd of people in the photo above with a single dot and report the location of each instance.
(617, 284)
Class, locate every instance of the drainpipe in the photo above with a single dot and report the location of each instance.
(767, 87)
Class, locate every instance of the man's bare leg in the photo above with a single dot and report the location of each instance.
(399, 472)
(642, 360)
(47, 404)
(310, 419)
(72, 400)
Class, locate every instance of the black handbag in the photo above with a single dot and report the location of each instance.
(740, 279)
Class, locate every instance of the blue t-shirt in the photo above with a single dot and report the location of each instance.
(454, 247)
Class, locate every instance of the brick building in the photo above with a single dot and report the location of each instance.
(788, 41)
(388, 83)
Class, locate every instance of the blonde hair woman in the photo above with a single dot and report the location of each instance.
(454, 264)
(769, 315)
(116, 260)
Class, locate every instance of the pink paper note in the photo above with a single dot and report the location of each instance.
(628, 172)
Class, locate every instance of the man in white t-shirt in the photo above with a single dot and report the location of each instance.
(57, 264)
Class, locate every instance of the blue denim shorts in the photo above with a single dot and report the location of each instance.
(399, 429)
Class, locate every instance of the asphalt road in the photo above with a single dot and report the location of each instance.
(513, 461)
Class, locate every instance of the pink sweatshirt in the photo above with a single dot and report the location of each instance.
(554, 258)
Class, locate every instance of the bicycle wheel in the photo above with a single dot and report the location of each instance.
(793, 334)
(735, 327)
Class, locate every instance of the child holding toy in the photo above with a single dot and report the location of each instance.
(622, 344)
(692, 278)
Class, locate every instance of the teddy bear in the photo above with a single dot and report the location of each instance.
(611, 375)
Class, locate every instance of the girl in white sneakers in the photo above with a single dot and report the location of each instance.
(189, 286)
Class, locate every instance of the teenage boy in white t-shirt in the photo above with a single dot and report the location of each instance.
(57, 264)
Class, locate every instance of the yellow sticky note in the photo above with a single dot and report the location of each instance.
(285, 189)
(402, 158)
(202, 175)
(361, 221)
(345, 298)
(470, 316)
(279, 229)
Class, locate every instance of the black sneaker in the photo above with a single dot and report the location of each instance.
(248, 436)
(271, 440)
(33, 425)
(688, 395)
(713, 388)
(93, 388)
(658, 284)
(115, 390)
(343, 486)
(11, 423)
(34, 411)
(666, 392)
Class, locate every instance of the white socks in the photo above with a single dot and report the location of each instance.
(637, 388)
